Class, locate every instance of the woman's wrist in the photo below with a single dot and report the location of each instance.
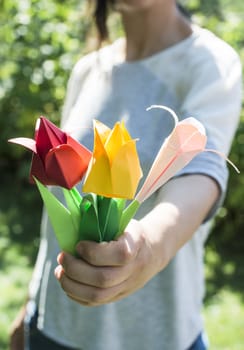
(183, 205)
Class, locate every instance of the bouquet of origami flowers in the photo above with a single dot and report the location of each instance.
(110, 174)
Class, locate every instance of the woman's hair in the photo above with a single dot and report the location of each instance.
(100, 16)
(101, 11)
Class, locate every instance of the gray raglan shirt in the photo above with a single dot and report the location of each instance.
(198, 77)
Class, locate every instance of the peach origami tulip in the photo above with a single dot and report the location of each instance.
(114, 170)
(186, 140)
(57, 158)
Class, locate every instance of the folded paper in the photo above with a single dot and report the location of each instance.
(64, 221)
(186, 141)
(112, 175)
(114, 170)
(90, 217)
(57, 159)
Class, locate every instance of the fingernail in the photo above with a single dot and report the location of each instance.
(60, 258)
(58, 272)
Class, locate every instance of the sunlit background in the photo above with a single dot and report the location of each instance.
(40, 42)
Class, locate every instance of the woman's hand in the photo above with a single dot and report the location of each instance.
(106, 272)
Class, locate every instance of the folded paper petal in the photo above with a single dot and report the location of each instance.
(38, 171)
(102, 130)
(57, 159)
(48, 136)
(64, 166)
(125, 172)
(81, 150)
(98, 177)
(114, 170)
(185, 142)
(116, 139)
(26, 142)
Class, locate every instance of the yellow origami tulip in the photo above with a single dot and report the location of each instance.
(114, 170)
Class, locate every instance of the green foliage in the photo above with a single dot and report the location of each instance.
(227, 237)
(224, 319)
(40, 42)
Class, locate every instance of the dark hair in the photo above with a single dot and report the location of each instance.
(101, 14)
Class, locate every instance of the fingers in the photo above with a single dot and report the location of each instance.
(80, 271)
(94, 296)
(114, 253)
(85, 294)
(107, 271)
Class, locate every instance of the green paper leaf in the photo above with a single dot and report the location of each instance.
(73, 200)
(127, 215)
(121, 205)
(61, 220)
(89, 226)
(103, 204)
(76, 195)
(109, 217)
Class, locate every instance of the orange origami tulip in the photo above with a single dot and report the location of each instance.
(58, 159)
(114, 170)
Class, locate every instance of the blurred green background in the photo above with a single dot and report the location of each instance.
(40, 42)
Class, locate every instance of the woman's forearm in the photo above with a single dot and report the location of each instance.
(184, 203)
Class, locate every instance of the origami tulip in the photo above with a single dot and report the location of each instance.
(187, 139)
(57, 158)
(114, 170)
(112, 176)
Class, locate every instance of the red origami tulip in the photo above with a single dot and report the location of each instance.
(57, 158)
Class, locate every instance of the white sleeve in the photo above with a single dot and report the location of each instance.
(215, 99)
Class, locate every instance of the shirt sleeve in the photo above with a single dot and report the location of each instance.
(215, 100)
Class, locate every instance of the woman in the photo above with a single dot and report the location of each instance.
(144, 290)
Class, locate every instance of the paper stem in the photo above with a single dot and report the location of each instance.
(173, 114)
(73, 204)
(127, 215)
